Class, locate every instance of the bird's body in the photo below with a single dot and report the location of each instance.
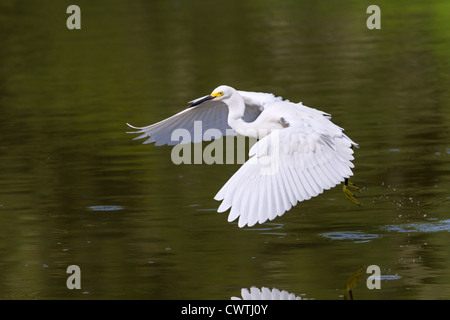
(300, 152)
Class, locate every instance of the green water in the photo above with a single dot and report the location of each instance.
(75, 189)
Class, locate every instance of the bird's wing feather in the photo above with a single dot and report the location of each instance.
(287, 166)
(211, 114)
(255, 103)
(258, 99)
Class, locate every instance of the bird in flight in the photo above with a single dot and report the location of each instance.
(299, 152)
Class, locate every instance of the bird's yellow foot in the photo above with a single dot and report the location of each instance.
(347, 188)
(352, 186)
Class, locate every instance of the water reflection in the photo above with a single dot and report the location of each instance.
(266, 294)
(74, 190)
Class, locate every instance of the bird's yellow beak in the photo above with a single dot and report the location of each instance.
(217, 94)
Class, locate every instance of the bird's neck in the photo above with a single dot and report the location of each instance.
(236, 109)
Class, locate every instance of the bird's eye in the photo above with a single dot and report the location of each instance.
(220, 93)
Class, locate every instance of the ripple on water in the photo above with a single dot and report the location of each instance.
(434, 226)
(268, 228)
(355, 236)
(105, 208)
(390, 277)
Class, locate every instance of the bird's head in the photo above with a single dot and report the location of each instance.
(219, 93)
(222, 92)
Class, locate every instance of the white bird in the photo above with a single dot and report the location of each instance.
(299, 154)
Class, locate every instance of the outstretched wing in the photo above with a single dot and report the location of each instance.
(286, 167)
(207, 115)
(258, 100)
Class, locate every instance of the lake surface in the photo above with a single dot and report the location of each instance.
(75, 189)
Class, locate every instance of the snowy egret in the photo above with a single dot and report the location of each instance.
(299, 154)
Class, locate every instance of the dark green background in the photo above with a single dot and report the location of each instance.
(75, 189)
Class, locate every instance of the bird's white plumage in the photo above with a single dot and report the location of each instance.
(212, 114)
(277, 177)
(300, 153)
(265, 294)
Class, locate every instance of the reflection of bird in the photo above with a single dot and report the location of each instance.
(351, 284)
(265, 294)
(300, 152)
